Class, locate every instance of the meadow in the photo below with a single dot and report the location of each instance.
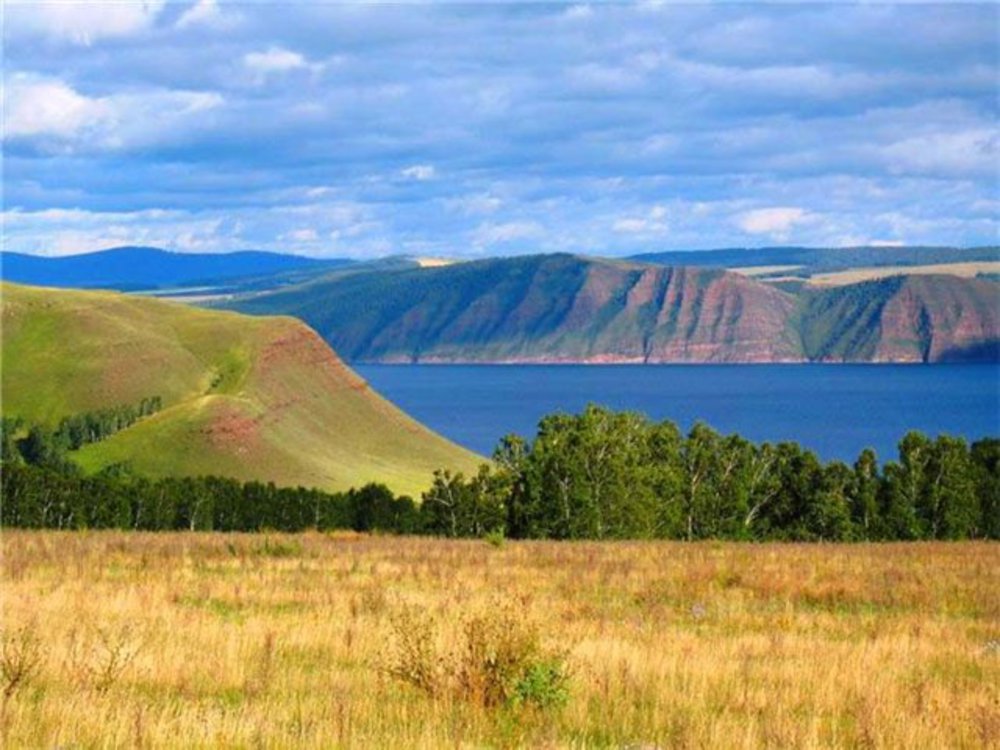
(115, 639)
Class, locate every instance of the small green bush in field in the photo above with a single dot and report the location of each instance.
(495, 538)
(496, 660)
(544, 684)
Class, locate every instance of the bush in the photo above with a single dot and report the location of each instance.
(20, 659)
(496, 660)
(545, 684)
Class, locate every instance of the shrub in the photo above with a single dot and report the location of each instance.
(20, 659)
(415, 659)
(104, 655)
(496, 660)
(545, 684)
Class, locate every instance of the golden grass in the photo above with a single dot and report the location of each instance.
(761, 270)
(254, 641)
(967, 269)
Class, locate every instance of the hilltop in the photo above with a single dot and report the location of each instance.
(567, 308)
(251, 398)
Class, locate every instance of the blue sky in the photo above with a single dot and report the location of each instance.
(366, 129)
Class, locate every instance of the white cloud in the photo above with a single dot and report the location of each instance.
(965, 153)
(59, 118)
(772, 221)
(472, 205)
(497, 234)
(82, 22)
(653, 223)
(56, 232)
(274, 60)
(35, 106)
(419, 172)
(303, 235)
(206, 13)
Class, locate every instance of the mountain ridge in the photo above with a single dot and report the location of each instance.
(571, 308)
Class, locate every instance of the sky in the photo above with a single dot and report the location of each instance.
(466, 130)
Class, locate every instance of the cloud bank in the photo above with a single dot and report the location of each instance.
(366, 129)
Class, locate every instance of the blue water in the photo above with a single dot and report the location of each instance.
(836, 410)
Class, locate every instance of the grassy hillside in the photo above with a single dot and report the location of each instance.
(544, 308)
(254, 398)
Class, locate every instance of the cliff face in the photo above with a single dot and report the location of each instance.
(905, 319)
(555, 308)
(562, 308)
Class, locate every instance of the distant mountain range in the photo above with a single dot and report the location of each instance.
(787, 304)
(144, 268)
(565, 308)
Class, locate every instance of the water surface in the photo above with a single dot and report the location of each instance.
(836, 410)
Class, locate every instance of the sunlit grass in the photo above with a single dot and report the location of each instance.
(197, 640)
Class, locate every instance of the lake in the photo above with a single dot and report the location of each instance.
(836, 410)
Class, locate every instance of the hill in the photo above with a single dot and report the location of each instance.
(252, 398)
(916, 318)
(565, 308)
(136, 268)
(544, 308)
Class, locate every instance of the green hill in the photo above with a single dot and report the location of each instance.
(566, 308)
(252, 398)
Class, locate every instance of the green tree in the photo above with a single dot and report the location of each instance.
(864, 496)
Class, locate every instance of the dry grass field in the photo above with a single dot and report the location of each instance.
(213, 640)
(854, 275)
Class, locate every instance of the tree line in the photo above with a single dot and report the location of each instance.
(54, 498)
(616, 475)
(596, 475)
(41, 446)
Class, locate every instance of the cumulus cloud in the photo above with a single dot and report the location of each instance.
(55, 116)
(38, 106)
(653, 223)
(419, 172)
(964, 154)
(605, 128)
(303, 235)
(82, 22)
(207, 13)
(274, 60)
(775, 222)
